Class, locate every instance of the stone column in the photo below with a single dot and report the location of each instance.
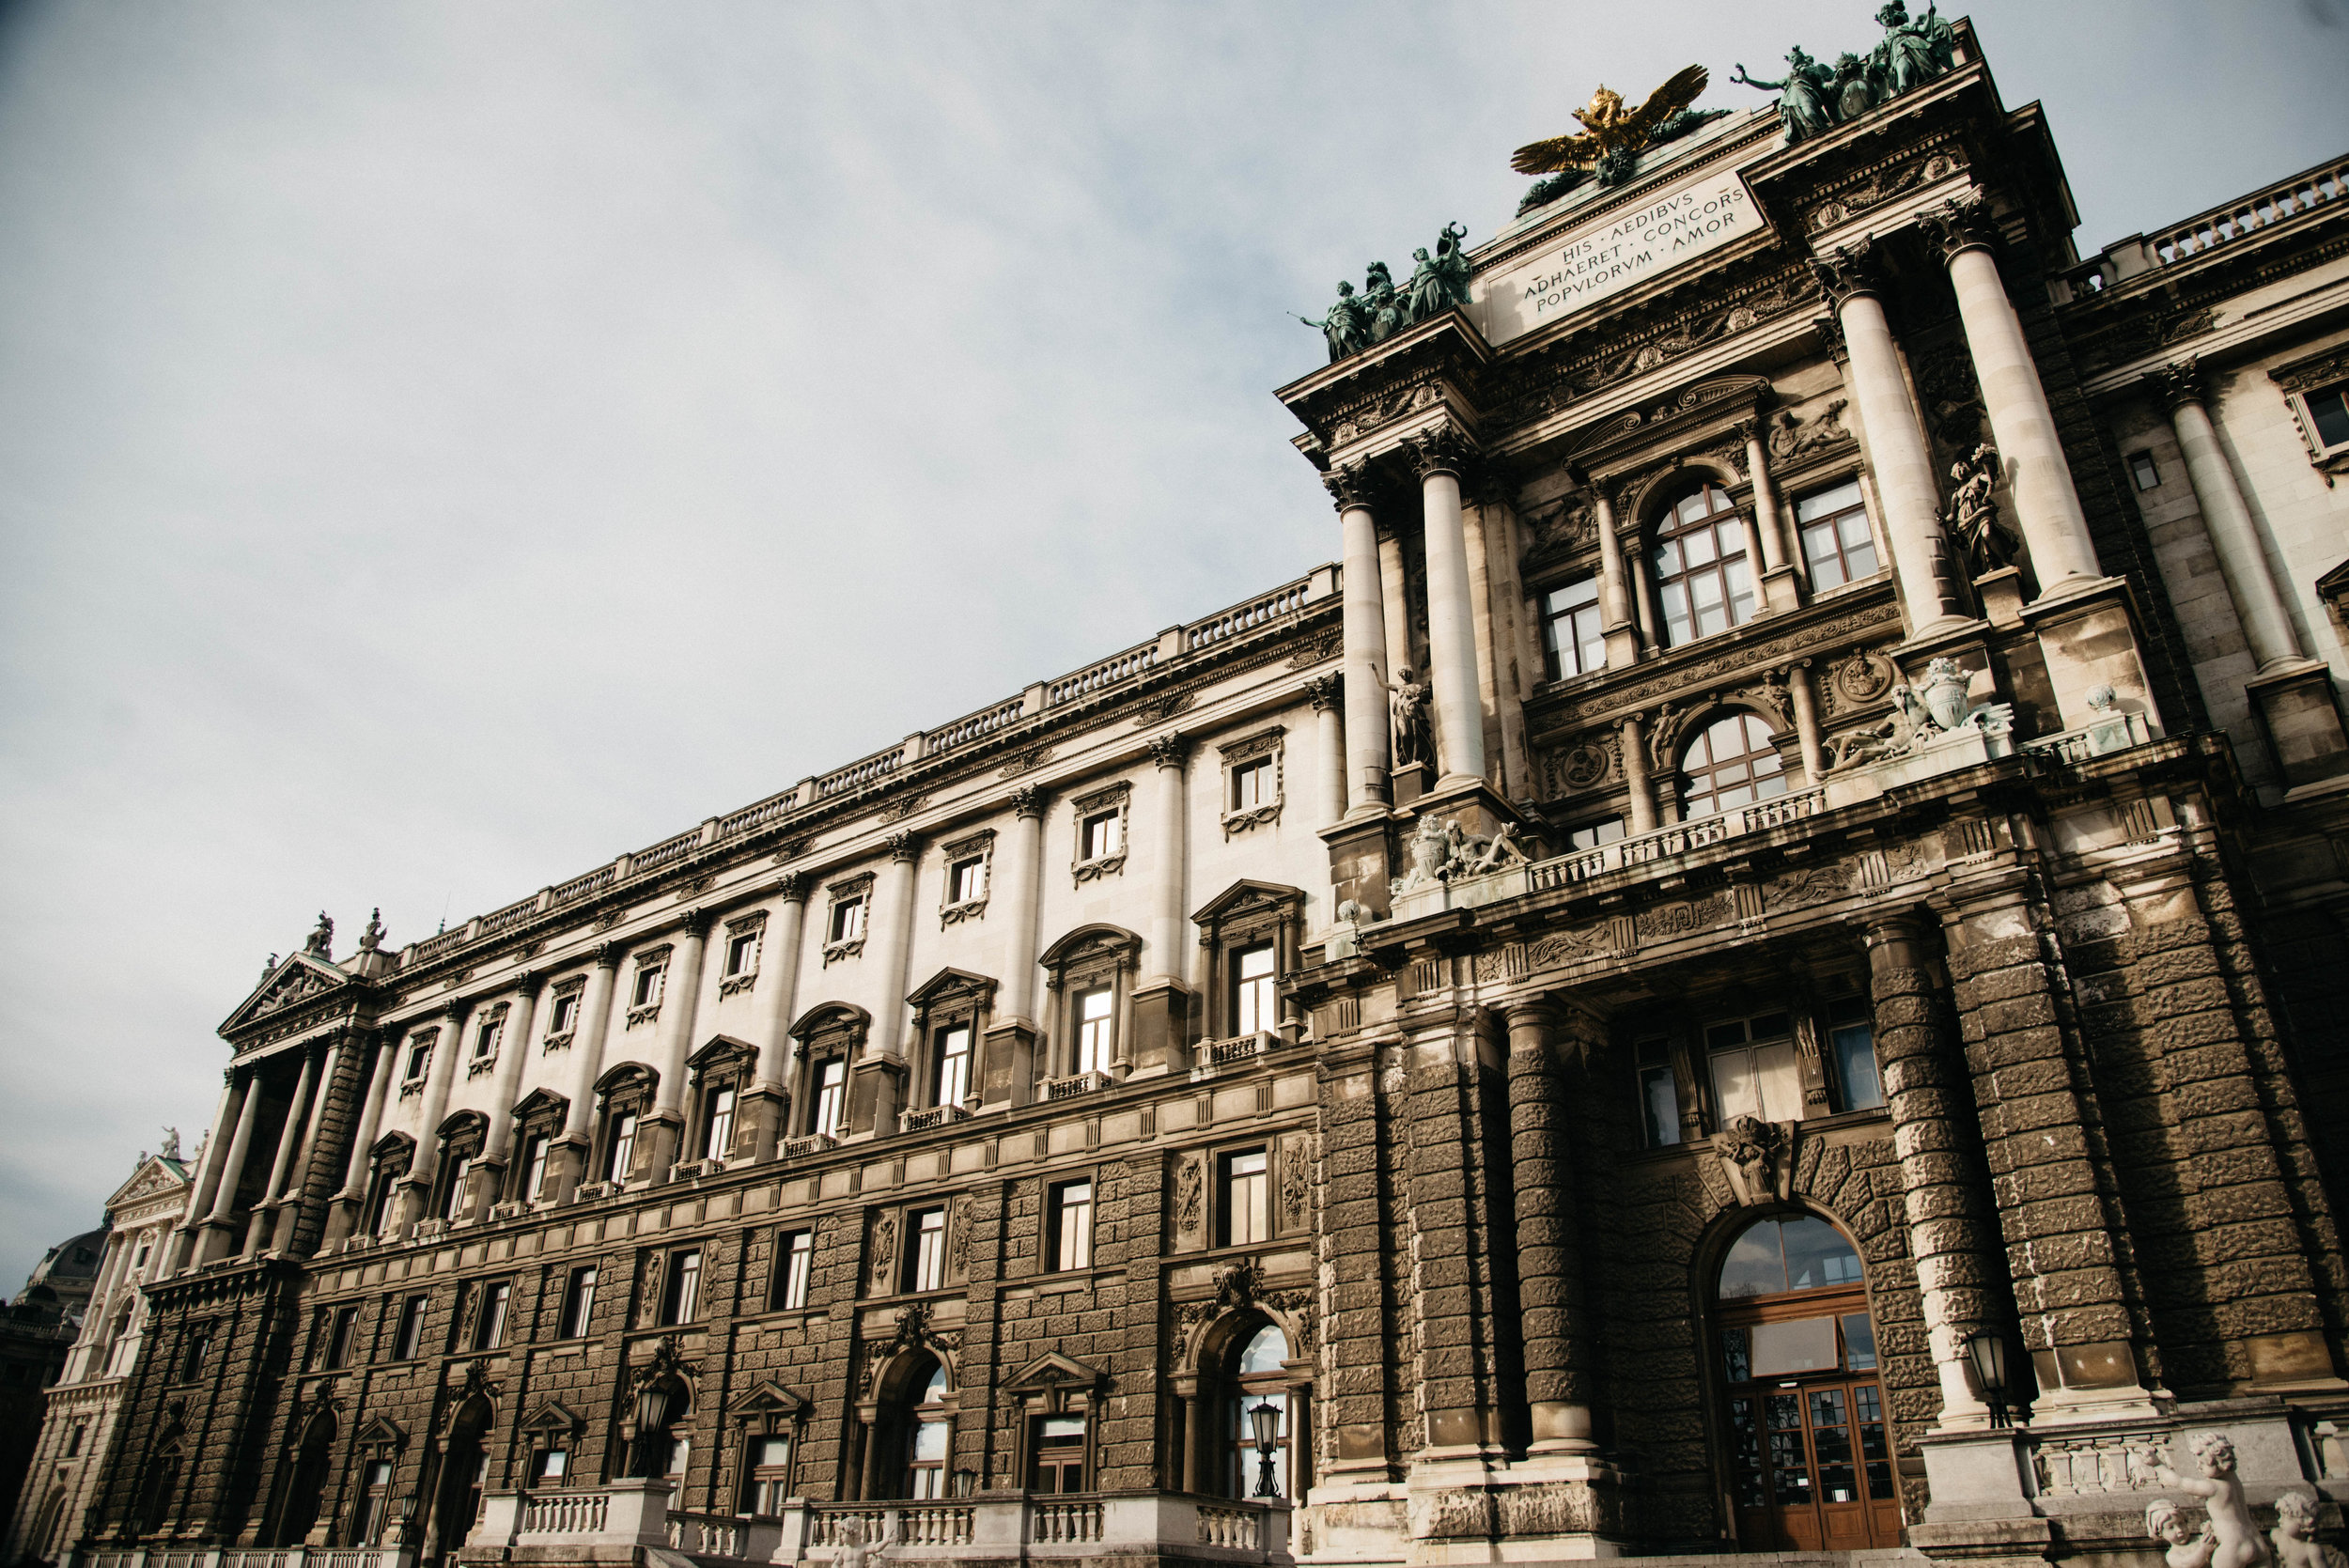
(1549, 1270)
(1780, 582)
(2234, 537)
(2031, 1093)
(218, 1226)
(1328, 796)
(344, 1217)
(296, 1194)
(1158, 1007)
(680, 1000)
(1635, 774)
(771, 1097)
(2021, 423)
(208, 1177)
(1439, 454)
(1010, 1072)
(876, 1076)
(1895, 446)
(1944, 1192)
(418, 1184)
(1367, 756)
(566, 1162)
(1614, 585)
(1491, 657)
(522, 1038)
(1807, 720)
(291, 1139)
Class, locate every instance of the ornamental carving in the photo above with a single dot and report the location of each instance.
(1756, 1156)
(1190, 1186)
(1880, 186)
(1564, 527)
(884, 1252)
(958, 1238)
(1026, 762)
(1296, 1184)
(1324, 647)
(1788, 438)
(1158, 709)
(1588, 763)
(1689, 679)
(1863, 678)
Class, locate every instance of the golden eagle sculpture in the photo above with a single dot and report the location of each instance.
(1609, 131)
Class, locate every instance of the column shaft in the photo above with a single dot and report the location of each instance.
(232, 1169)
(1635, 774)
(1768, 529)
(1368, 758)
(1550, 1274)
(681, 992)
(1807, 720)
(1023, 869)
(445, 1052)
(893, 928)
(1167, 954)
(579, 1119)
(1450, 622)
(2021, 423)
(2234, 537)
(522, 1038)
(370, 1118)
(1329, 799)
(779, 972)
(289, 1139)
(1490, 658)
(1904, 469)
(208, 1177)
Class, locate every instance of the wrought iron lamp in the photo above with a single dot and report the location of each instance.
(1986, 1349)
(966, 1481)
(653, 1405)
(1265, 1418)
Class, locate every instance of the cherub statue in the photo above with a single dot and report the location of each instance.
(2165, 1521)
(2221, 1490)
(1802, 96)
(853, 1552)
(321, 942)
(2294, 1535)
(1347, 326)
(1407, 714)
(1974, 515)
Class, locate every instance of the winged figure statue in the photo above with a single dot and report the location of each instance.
(1609, 130)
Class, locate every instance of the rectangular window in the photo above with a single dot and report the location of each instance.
(621, 1156)
(549, 1467)
(740, 952)
(419, 1057)
(718, 1140)
(1096, 1024)
(1573, 642)
(928, 1468)
(1753, 1069)
(648, 989)
(1071, 1237)
(2328, 411)
(533, 1167)
(966, 881)
(1837, 547)
(1060, 1455)
(339, 1337)
(1852, 1042)
(848, 920)
(795, 1267)
(1660, 1095)
(453, 1188)
(484, 1040)
(488, 1330)
(410, 1338)
(1607, 830)
(1101, 836)
(2144, 470)
(954, 1066)
(925, 1251)
(565, 1014)
(682, 1300)
(138, 1264)
(375, 1493)
(1240, 1212)
(1252, 784)
(579, 1303)
(1253, 989)
(832, 1096)
(769, 1469)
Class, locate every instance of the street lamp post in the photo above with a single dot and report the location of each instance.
(1267, 1420)
(1986, 1349)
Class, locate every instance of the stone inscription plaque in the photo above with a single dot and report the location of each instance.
(1585, 265)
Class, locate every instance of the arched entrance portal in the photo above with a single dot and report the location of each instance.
(1809, 1448)
(458, 1503)
(312, 1468)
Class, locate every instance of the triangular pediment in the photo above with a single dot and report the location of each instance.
(721, 1050)
(154, 1177)
(300, 978)
(770, 1398)
(552, 1415)
(1051, 1370)
(382, 1429)
(952, 984)
(1247, 896)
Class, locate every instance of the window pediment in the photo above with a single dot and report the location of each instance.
(952, 987)
(832, 1019)
(770, 1399)
(553, 1416)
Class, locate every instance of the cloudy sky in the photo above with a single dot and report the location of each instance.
(443, 447)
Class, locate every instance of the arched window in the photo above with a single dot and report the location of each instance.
(1730, 764)
(932, 1428)
(1702, 573)
(1244, 1365)
(1809, 1443)
(910, 1451)
(313, 1467)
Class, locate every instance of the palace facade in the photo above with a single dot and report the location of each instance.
(1740, 974)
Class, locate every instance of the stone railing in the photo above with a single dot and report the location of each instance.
(932, 1117)
(1262, 610)
(667, 851)
(1079, 1083)
(2197, 237)
(984, 722)
(900, 1524)
(509, 917)
(814, 1144)
(581, 887)
(1239, 1048)
(1064, 1520)
(1235, 1526)
(1093, 677)
(751, 818)
(860, 773)
(234, 1557)
(714, 1535)
(564, 1513)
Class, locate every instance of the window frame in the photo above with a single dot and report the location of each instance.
(1228, 1200)
(489, 1039)
(850, 901)
(577, 1312)
(1700, 734)
(1089, 958)
(649, 986)
(1064, 1253)
(1669, 530)
(795, 1269)
(745, 934)
(681, 1287)
(951, 999)
(1832, 522)
(1751, 1046)
(974, 852)
(1553, 650)
(1247, 915)
(564, 1000)
(1114, 800)
(922, 1260)
(1267, 747)
(492, 1307)
(407, 1333)
(342, 1335)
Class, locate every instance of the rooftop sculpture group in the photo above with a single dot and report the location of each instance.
(1815, 97)
(1437, 284)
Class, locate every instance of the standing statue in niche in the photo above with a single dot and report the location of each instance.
(2165, 1522)
(2240, 1544)
(1407, 713)
(1802, 104)
(1347, 326)
(1973, 515)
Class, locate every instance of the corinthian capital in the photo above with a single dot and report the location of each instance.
(2178, 384)
(1028, 800)
(1846, 272)
(1441, 450)
(904, 845)
(1348, 486)
(1327, 691)
(1170, 749)
(1960, 224)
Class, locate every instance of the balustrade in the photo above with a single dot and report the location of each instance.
(1111, 671)
(565, 1513)
(984, 722)
(709, 1535)
(1284, 600)
(1064, 1519)
(934, 1116)
(1238, 1527)
(857, 774)
(1070, 1088)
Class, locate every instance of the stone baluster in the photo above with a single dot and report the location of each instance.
(680, 1001)
(417, 1187)
(1635, 774)
(1944, 1189)
(1368, 757)
(2030, 451)
(1895, 445)
(358, 1166)
(772, 1096)
(1328, 799)
(1439, 454)
(2234, 537)
(1549, 1270)
(230, 1174)
(566, 1163)
(183, 1241)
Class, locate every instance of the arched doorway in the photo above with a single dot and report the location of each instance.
(1810, 1445)
(313, 1467)
(1245, 1368)
(458, 1501)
